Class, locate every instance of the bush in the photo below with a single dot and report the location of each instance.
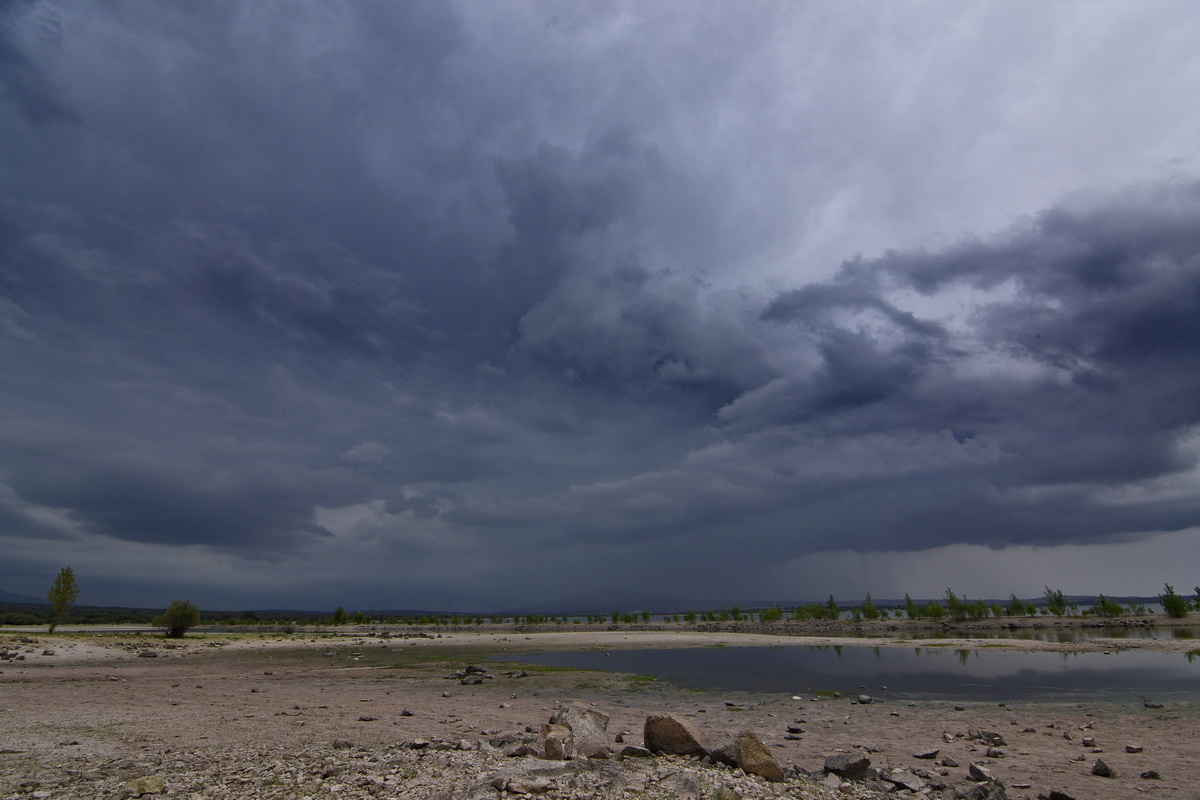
(1056, 603)
(911, 608)
(1107, 608)
(1174, 604)
(957, 608)
(869, 609)
(179, 616)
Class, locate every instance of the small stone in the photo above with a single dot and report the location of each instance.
(994, 752)
(1089, 741)
(1133, 748)
(406, 712)
(47, 652)
(1056, 794)
(865, 699)
(147, 784)
(1151, 775)
(1102, 769)
(948, 761)
(928, 753)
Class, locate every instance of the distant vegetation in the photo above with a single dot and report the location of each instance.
(951, 604)
(178, 618)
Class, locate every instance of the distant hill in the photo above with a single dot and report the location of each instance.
(13, 597)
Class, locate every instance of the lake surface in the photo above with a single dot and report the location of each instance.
(926, 672)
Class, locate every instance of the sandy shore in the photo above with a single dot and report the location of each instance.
(99, 707)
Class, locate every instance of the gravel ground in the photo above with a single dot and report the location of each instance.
(315, 717)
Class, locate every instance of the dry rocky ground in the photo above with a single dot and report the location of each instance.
(309, 717)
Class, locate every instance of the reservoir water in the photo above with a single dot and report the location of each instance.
(909, 673)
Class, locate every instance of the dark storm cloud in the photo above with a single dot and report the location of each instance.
(23, 82)
(495, 296)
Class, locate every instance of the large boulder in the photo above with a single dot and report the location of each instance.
(589, 728)
(754, 758)
(671, 735)
(557, 742)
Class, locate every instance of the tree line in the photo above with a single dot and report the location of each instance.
(180, 615)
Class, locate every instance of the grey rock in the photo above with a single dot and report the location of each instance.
(928, 753)
(904, 779)
(668, 734)
(847, 765)
(865, 699)
(978, 772)
(983, 791)
(1057, 794)
(1102, 769)
(948, 761)
(557, 742)
(1089, 741)
(1151, 775)
(588, 727)
(1133, 748)
(754, 758)
(633, 751)
(995, 752)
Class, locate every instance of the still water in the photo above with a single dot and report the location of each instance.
(921, 672)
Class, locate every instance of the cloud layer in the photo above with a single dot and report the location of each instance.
(460, 305)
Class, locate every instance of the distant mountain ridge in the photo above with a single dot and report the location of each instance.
(13, 597)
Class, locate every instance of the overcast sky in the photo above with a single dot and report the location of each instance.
(475, 305)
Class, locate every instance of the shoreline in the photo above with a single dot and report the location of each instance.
(309, 712)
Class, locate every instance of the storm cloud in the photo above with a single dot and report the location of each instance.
(463, 305)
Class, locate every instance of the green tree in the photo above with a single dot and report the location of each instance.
(1174, 604)
(1107, 608)
(868, 608)
(957, 608)
(772, 614)
(62, 595)
(1056, 602)
(832, 609)
(690, 617)
(340, 617)
(179, 616)
(911, 609)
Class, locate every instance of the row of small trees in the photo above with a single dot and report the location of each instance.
(181, 615)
